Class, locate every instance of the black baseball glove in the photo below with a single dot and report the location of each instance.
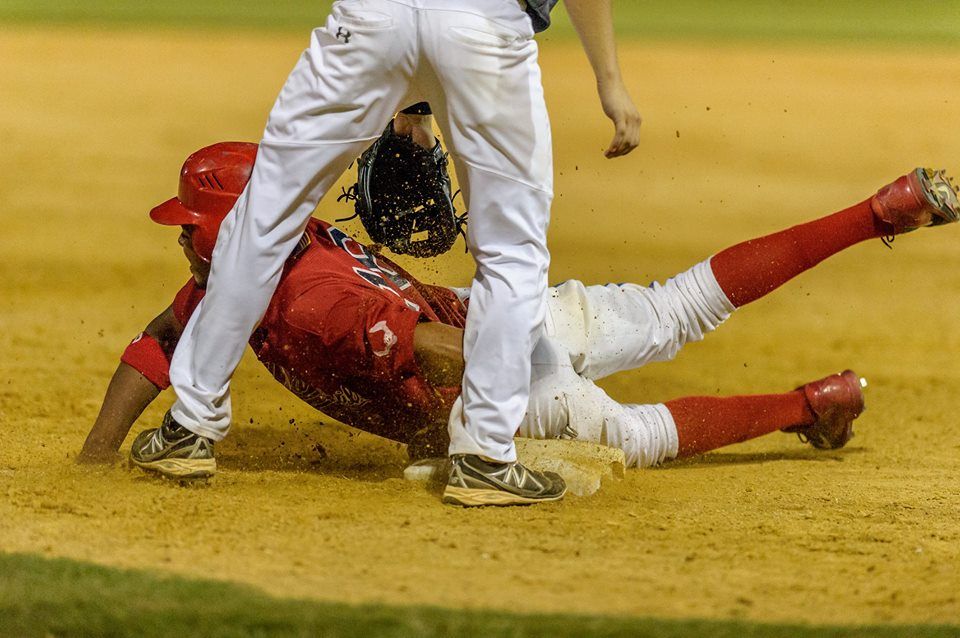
(403, 196)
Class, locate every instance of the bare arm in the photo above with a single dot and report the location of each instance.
(439, 351)
(593, 20)
(128, 395)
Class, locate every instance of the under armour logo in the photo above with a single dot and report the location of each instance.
(341, 32)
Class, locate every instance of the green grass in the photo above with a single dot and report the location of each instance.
(57, 597)
(867, 21)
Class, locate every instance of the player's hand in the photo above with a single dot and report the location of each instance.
(417, 127)
(626, 119)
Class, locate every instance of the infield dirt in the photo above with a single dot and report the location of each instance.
(738, 141)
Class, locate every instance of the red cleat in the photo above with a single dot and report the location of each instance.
(836, 401)
(923, 197)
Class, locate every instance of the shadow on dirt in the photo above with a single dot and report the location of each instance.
(734, 458)
(316, 447)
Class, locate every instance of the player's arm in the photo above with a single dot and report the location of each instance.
(438, 349)
(139, 378)
(593, 21)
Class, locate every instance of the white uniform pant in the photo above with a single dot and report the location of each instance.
(475, 61)
(595, 331)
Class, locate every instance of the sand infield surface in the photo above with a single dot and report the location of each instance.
(738, 141)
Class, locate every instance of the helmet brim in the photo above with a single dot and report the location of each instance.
(173, 213)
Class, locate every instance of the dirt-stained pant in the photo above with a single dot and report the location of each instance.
(475, 61)
(595, 331)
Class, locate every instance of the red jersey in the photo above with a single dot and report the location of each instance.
(338, 333)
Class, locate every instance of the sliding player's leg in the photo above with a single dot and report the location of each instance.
(564, 404)
(621, 327)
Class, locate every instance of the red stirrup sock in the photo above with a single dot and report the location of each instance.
(708, 423)
(750, 270)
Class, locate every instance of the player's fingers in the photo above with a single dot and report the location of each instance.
(623, 142)
(626, 138)
(631, 140)
(616, 144)
(402, 125)
(422, 137)
(613, 150)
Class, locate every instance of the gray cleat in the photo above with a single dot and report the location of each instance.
(174, 451)
(476, 481)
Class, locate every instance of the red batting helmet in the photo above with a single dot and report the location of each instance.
(211, 180)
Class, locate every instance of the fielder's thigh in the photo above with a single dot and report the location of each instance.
(352, 77)
(486, 88)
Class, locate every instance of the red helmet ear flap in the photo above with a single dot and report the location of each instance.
(203, 240)
(211, 180)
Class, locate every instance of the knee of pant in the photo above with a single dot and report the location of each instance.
(507, 200)
(666, 343)
(522, 267)
(514, 293)
(671, 328)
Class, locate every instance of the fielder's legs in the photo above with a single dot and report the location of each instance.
(346, 85)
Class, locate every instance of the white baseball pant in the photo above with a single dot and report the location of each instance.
(475, 61)
(595, 331)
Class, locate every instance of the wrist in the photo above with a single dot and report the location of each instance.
(611, 77)
(97, 453)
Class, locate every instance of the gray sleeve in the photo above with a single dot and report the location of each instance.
(539, 12)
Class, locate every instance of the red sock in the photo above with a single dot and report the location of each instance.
(708, 423)
(750, 270)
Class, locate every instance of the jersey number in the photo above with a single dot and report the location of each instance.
(370, 269)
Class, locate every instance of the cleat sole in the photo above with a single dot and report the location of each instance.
(472, 497)
(180, 468)
(939, 191)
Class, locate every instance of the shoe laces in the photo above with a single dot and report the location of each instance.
(171, 431)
